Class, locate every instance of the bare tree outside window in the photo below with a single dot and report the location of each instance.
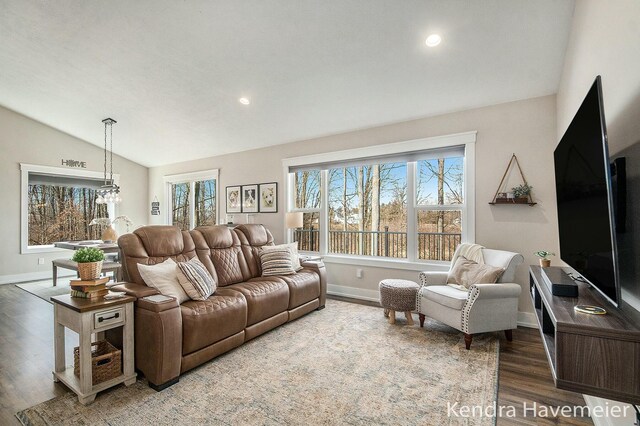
(180, 195)
(58, 213)
(205, 193)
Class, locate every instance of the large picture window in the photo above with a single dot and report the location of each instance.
(409, 204)
(59, 205)
(192, 199)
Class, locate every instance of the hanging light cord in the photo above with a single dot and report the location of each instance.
(105, 153)
(111, 152)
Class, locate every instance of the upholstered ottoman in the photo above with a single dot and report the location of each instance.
(398, 295)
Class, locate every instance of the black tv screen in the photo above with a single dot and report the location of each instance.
(585, 199)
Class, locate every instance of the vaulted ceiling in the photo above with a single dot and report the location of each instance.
(171, 72)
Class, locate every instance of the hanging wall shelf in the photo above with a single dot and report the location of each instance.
(503, 197)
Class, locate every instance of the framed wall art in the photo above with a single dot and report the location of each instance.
(269, 197)
(249, 198)
(233, 199)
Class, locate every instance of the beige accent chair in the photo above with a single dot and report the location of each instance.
(484, 308)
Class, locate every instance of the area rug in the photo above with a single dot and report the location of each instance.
(343, 365)
(45, 289)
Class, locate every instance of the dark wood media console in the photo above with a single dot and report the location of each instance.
(596, 355)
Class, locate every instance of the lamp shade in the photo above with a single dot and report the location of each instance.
(294, 220)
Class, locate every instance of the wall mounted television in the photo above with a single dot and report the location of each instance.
(585, 198)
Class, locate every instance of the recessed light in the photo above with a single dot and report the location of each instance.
(244, 101)
(433, 40)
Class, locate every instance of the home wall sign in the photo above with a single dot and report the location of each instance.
(74, 163)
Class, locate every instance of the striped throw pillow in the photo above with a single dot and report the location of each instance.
(276, 262)
(196, 281)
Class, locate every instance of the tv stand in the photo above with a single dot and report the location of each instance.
(597, 355)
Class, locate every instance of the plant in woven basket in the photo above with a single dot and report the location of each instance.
(522, 191)
(89, 261)
(545, 262)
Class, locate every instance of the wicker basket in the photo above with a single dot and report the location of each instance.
(89, 270)
(106, 361)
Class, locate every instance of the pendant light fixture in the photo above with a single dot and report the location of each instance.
(109, 192)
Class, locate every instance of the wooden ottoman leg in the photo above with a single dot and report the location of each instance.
(422, 317)
(392, 316)
(409, 317)
(55, 274)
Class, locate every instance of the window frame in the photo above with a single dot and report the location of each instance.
(467, 139)
(25, 170)
(191, 178)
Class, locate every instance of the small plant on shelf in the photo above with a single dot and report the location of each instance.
(545, 262)
(522, 191)
(88, 254)
(89, 261)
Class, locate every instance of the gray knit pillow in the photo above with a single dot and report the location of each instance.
(276, 262)
(194, 278)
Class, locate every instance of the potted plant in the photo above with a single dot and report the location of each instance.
(545, 262)
(89, 261)
(522, 192)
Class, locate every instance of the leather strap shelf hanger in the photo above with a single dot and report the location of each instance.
(522, 200)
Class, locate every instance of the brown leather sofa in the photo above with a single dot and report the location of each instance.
(171, 338)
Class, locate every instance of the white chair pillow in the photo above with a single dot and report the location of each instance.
(164, 278)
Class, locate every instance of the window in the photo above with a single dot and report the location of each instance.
(405, 201)
(306, 198)
(368, 210)
(192, 199)
(439, 203)
(59, 204)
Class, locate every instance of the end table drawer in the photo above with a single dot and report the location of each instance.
(109, 317)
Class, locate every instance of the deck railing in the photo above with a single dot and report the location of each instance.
(431, 245)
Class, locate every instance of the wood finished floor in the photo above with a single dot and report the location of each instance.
(26, 362)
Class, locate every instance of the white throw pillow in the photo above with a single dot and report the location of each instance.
(164, 278)
(293, 251)
(276, 262)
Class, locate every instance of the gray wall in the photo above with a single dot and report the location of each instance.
(527, 128)
(605, 40)
(24, 140)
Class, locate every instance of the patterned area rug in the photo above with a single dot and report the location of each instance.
(343, 365)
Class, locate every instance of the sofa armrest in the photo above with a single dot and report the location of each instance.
(162, 306)
(433, 278)
(319, 268)
(133, 289)
(158, 338)
(497, 291)
(491, 307)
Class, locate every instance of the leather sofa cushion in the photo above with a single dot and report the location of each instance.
(266, 297)
(150, 245)
(303, 287)
(445, 295)
(205, 322)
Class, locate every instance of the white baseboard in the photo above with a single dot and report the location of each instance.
(353, 292)
(611, 420)
(525, 319)
(30, 276)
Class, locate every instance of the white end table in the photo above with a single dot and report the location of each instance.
(87, 317)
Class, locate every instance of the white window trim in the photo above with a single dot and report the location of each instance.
(25, 169)
(467, 139)
(190, 178)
